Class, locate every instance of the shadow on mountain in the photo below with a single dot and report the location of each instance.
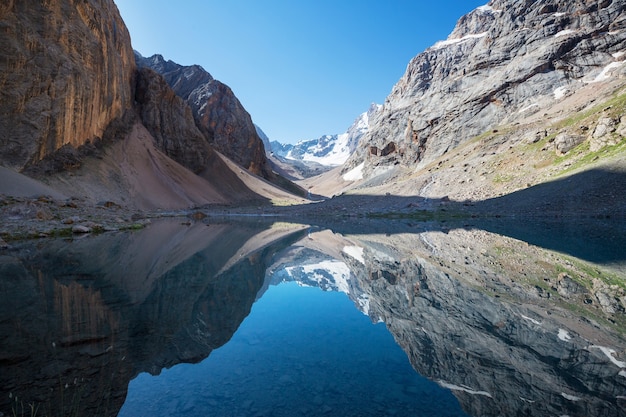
(596, 192)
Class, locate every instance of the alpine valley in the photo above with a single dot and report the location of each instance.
(479, 213)
(312, 157)
(520, 108)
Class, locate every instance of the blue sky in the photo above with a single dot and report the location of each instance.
(301, 68)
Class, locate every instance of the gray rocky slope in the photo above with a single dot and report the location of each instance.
(502, 62)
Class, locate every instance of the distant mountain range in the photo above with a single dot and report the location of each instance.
(329, 150)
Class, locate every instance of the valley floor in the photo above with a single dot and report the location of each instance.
(595, 193)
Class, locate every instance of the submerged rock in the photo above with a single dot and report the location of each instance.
(81, 229)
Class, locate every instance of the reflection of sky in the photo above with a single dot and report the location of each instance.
(301, 351)
(329, 275)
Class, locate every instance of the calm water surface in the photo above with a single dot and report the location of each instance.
(301, 351)
(246, 319)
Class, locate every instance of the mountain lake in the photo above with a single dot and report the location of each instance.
(248, 318)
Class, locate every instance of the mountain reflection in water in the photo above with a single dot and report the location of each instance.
(497, 326)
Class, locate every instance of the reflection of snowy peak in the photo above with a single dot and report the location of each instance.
(329, 150)
(324, 272)
(329, 275)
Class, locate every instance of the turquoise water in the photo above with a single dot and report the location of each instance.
(301, 351)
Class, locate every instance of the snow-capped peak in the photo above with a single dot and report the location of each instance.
(333, 150)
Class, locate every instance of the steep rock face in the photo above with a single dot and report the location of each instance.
(501, 62)
(218, 113)
(65, 76)
(170, 121)
(264, 138)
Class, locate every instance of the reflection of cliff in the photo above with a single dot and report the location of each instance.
(84, 318)
(510, 328)
(507, 352)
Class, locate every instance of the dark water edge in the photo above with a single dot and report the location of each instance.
(80, 319)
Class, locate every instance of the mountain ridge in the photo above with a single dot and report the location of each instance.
(73, 96)
(500, 61)
(519, 94)
(312, 157)
(218, 114)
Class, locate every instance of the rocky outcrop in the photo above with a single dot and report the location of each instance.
(502, 62)
(218, 114)
(170, 121)
(565, 142)
(608, 131)
(65, 76)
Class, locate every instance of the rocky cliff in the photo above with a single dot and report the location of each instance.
(170, 121)
(65, 76)
(218, 114)
(77, 114)
(502, 62)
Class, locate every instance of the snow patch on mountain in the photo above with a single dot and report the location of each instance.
(448, 42)
(329, 150)
(355, 173)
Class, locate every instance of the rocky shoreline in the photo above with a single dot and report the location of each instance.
(44, 217)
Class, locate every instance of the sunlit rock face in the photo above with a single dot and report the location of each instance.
(219, 115)
(65, 75)
(503, 61)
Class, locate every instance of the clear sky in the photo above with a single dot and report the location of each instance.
(302, 68)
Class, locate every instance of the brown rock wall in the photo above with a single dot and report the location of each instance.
(66, 74)
(224, 119)
(219, 115)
